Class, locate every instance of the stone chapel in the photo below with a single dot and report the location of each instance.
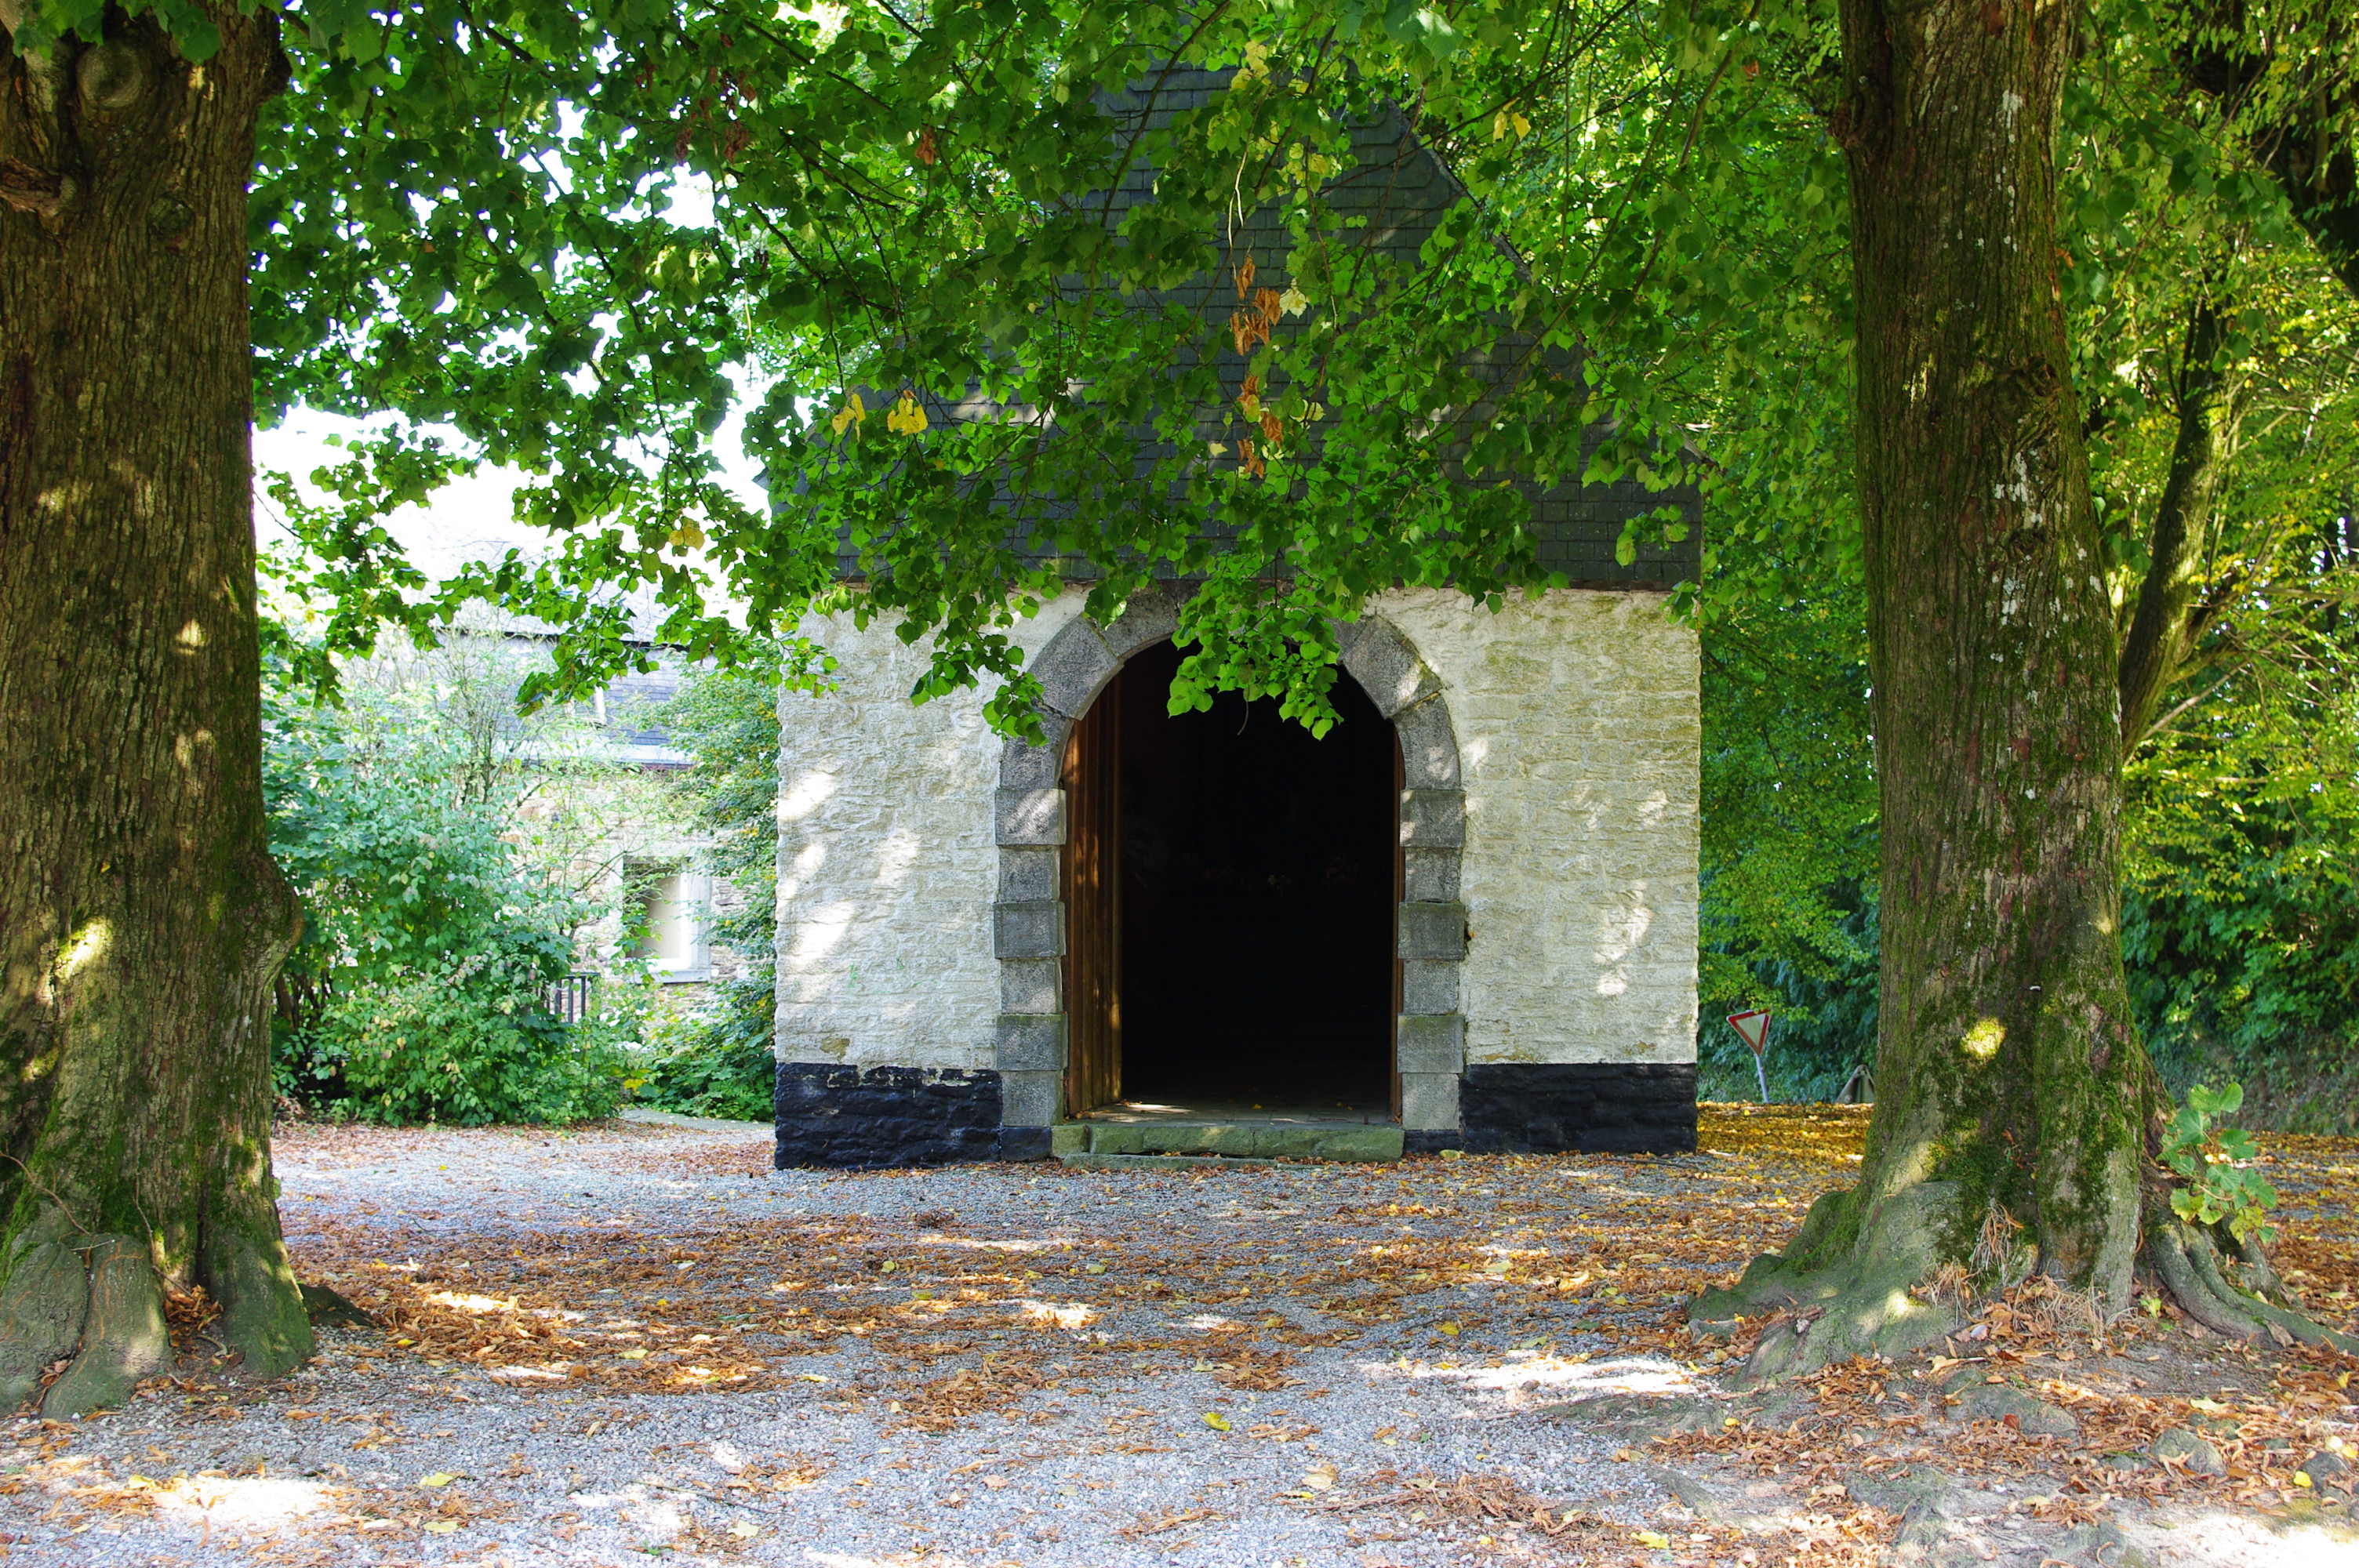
(1464, 919)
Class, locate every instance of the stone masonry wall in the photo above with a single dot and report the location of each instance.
(1580, 742)
(1578, 736)
(887, 867)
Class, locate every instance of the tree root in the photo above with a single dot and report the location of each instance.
(89, 1309)
(326, 1304)
(124, 1337)
(1864, 1304)
(2188, 1263)
(1880, 1299)
(263, 1318)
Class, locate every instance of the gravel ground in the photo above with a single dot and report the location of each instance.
(637, 1339)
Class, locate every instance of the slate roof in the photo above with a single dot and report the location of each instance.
(1403, 189)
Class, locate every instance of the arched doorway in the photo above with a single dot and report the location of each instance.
(1231, 885)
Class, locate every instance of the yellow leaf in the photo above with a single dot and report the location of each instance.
(1294, 302)
(440, 1478)
(854, 412)
(1450, 1329)
(1499, 127)
(441, 1526)
(1094, 1269)
(634, 1354)
(1654, 1538)
(907, 418)
(1216, 1420)
(688, 537)
(1523, 126)
(745, 1530)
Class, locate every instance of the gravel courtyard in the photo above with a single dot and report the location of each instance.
(596, 1346)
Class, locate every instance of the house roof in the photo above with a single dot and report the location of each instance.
(1402, 190)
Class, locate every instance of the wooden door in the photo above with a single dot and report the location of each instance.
(1400, 892)
(1092, 892)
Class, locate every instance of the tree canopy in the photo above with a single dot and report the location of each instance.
(937, 259)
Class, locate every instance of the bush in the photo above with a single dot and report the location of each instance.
(417, 990)
(715, 1059)
(451, 1046)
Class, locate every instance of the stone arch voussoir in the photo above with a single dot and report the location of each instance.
(1028, 916)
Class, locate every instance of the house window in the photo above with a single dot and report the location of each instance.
(672, 926)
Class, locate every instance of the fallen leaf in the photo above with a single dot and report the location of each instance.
(1216, 1420)
(440, 1478)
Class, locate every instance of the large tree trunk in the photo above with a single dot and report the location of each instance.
(140, 916)
(2010, 1084)
(2007, 1061)
(2015, 1108)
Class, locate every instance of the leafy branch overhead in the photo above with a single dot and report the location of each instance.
(572, 241)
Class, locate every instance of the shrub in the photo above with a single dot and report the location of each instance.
(715, 1059)
(453, 1046)
(416, 992)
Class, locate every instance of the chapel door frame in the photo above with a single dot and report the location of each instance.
(1091, 878)
(1400, 892)
(1091, 885)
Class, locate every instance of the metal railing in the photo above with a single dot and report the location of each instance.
(573, 998)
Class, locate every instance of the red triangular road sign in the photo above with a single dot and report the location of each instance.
(1752, 1027)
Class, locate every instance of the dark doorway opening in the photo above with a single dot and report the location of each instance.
(1230, 888)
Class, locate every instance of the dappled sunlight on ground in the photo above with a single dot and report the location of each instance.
(598, 1346)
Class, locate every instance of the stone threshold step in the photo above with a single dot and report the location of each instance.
(1162, 1163)
(1235, 1139)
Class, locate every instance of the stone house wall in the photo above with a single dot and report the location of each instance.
(1552, 815)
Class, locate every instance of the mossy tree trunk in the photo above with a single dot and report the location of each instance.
(2007, 1060)
(141, 919)
(2017, 1115)
(2008, 1076)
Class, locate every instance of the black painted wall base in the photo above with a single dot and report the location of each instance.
(848, 1118)
(1618, 1108)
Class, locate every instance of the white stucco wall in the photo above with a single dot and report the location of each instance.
(1579, 738)
(886, 865)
